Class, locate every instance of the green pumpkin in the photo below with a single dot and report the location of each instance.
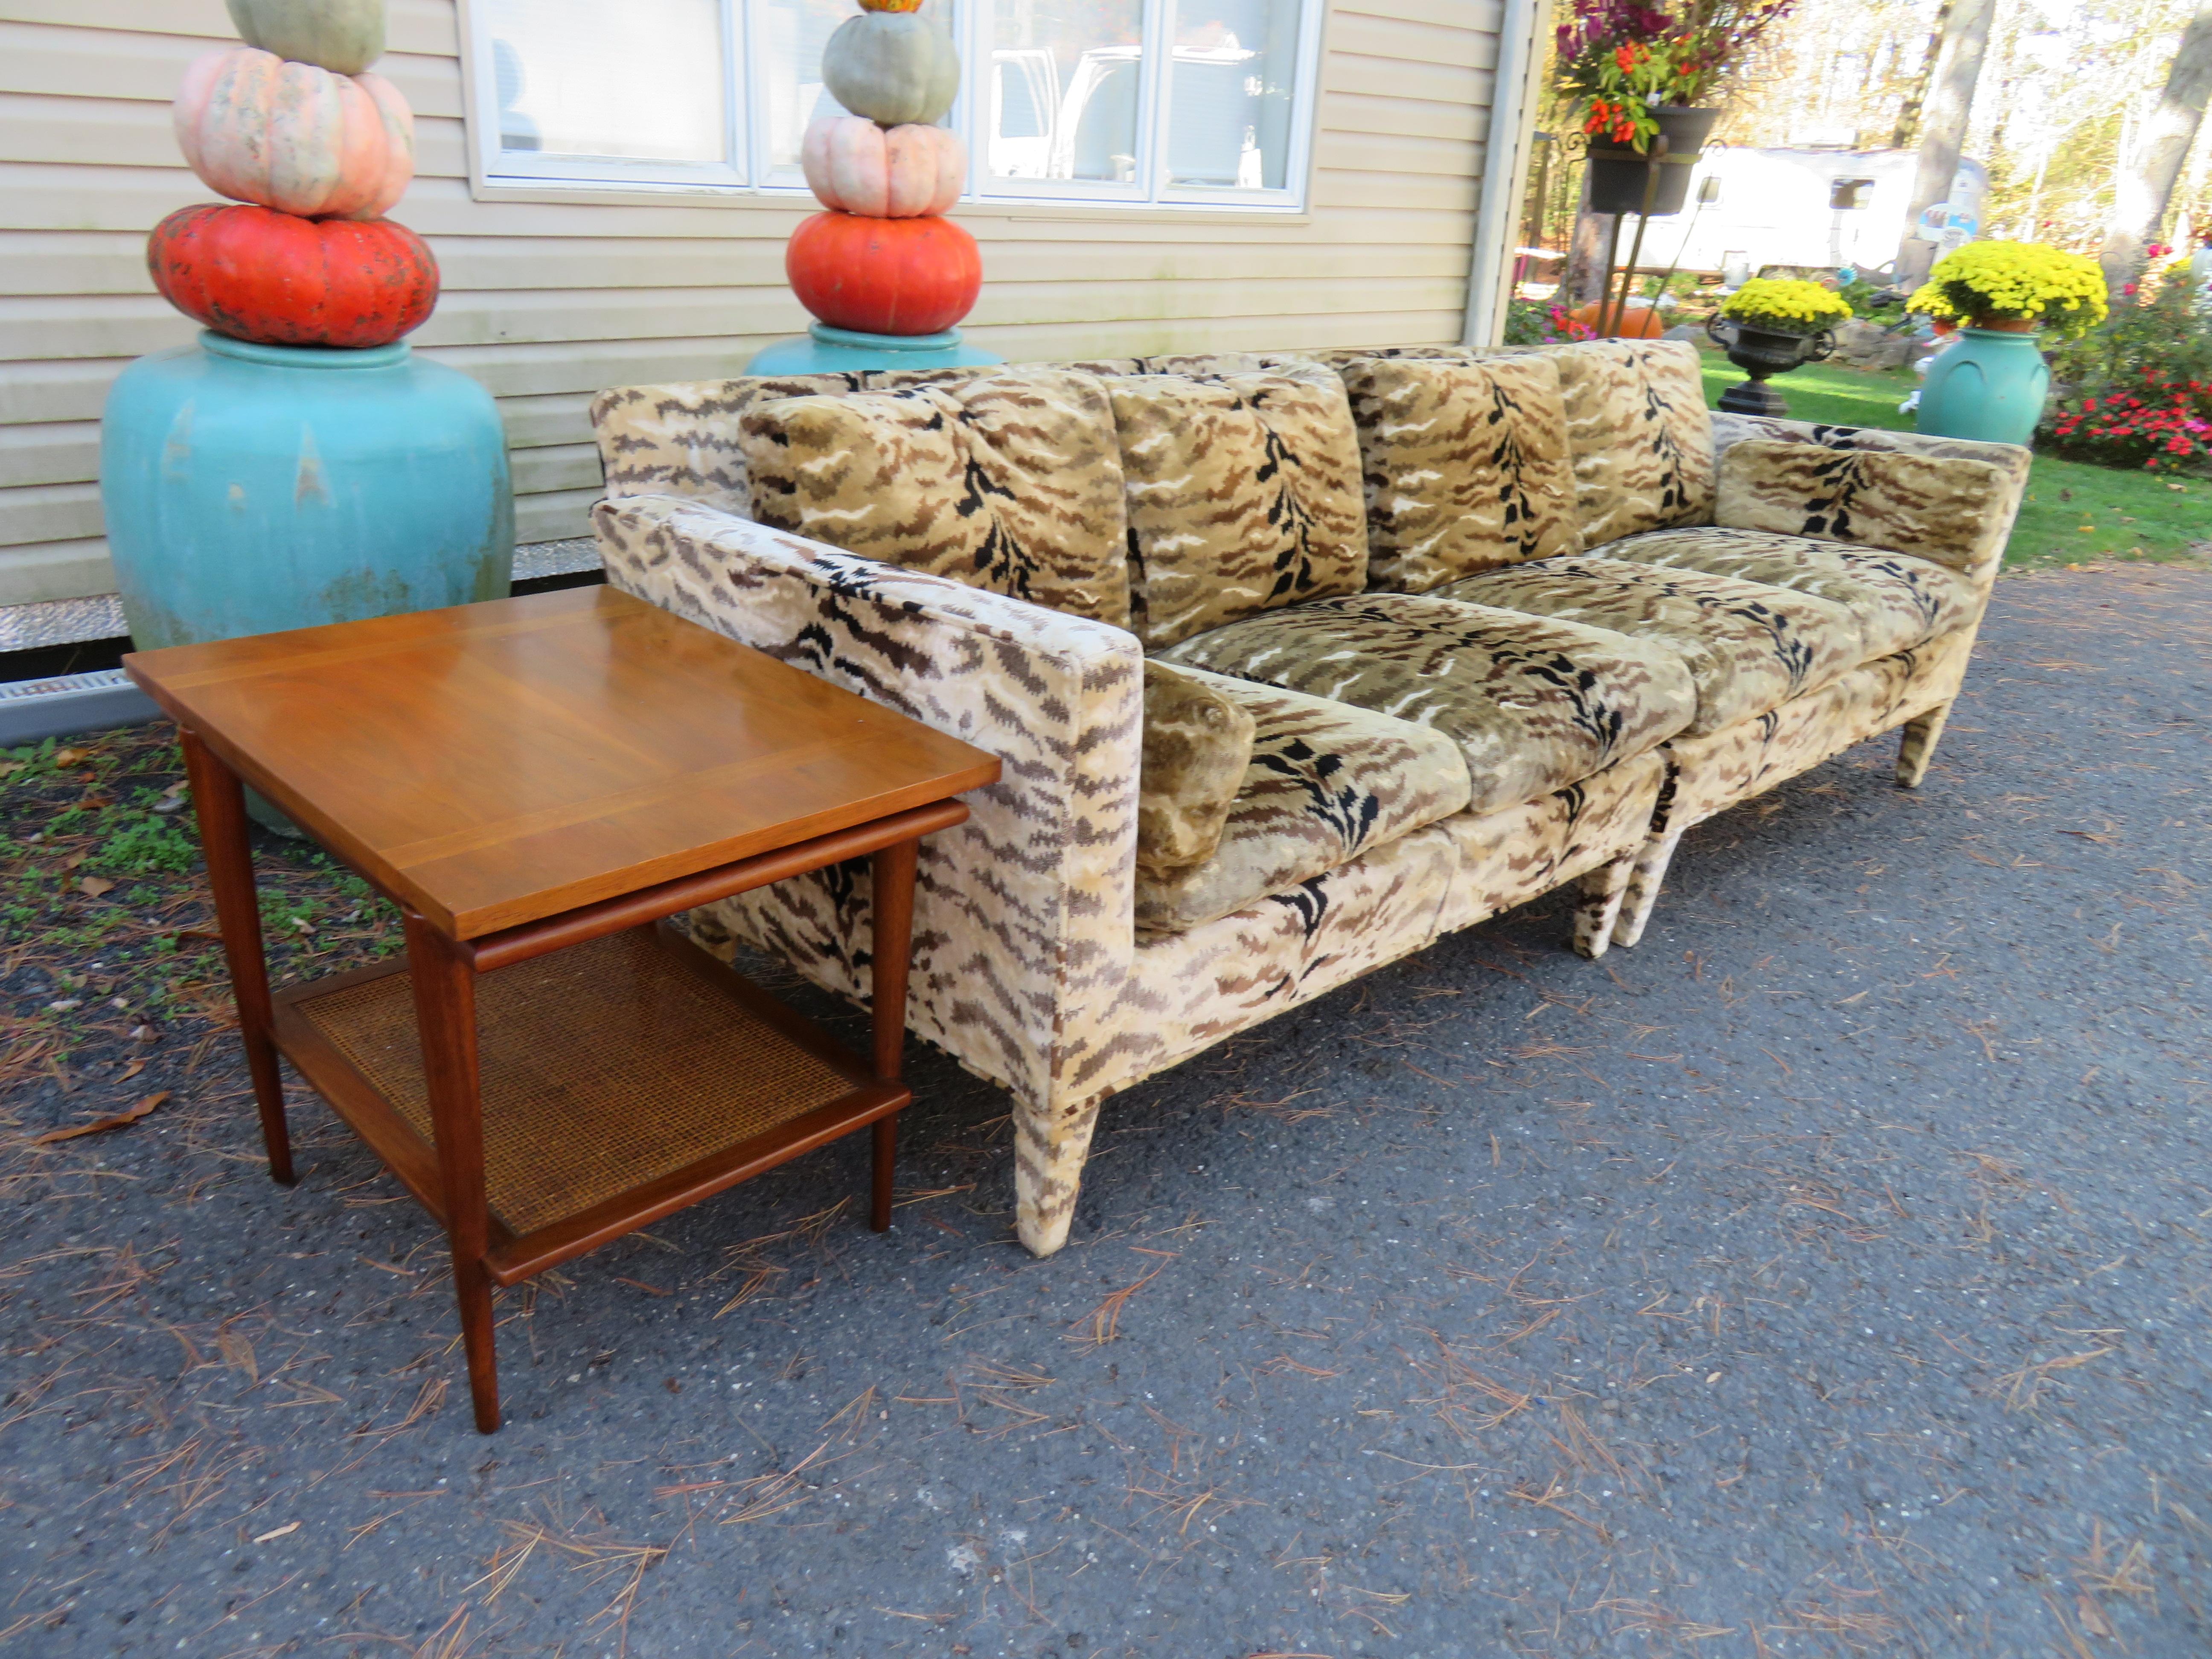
(891, 66)
(343, 36)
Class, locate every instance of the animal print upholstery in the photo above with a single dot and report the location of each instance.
(1898, 600)
(1523, 851)
(1028, 965)
(1008, 481)
(1946, 508)
(1198, 746)
(1748, 646)
(682, 440)
(1024, 915)
(1192, 363)
(1718, 769)
(1729, 430)
(1642, 441)
(1244, 495)
(1466, 466)
(1534, 705)
(1325, 782)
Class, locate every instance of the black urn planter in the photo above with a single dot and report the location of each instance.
(1760, 352)
(1618, 176)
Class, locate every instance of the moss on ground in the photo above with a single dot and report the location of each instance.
(2073, 512)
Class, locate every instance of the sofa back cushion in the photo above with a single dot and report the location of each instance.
(1641, 440)
(1008, 481)
(1949, 509)
(1466, 466)
(1244, 494)
(681, 439)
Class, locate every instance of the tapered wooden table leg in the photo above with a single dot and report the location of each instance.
(445, 984)
(893, 945)
(219, 801)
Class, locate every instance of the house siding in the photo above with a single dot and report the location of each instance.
(548, 301)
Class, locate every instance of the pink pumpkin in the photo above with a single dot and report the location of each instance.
(909, 172)
(295, 137)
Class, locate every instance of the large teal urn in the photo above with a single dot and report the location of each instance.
(251, 487)
(1991, 386)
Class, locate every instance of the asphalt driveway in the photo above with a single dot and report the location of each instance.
(1827, 1275)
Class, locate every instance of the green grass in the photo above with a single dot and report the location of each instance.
(2074, 512)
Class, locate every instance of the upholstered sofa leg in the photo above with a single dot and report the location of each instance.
(1600, 894)
(1922, 733)
(1648, 876)
(1050, 1145)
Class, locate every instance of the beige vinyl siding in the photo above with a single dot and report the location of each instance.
(546, 301)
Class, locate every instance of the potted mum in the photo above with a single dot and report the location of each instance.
(1640, 73)
(1991, 384)
(1775, 324)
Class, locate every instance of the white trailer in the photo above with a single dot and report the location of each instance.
(1750, 207)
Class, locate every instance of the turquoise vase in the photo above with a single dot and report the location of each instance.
(824, 350)
(1989, 387)
(252, 488)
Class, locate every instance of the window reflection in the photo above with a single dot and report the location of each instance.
(1228, 93)
(642, 81)
(1064, 80)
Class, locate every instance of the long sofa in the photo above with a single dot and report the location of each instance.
(1296, 661)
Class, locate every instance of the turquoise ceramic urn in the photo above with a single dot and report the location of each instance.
(1991, 386)
(252, 488)
(825, 350)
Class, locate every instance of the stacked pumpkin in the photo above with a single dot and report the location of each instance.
(884, 260)
(291, 126)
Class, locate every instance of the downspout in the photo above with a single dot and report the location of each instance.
(1505, 153)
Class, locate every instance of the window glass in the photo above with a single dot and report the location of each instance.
(1065, 85)
(643, 81)
(788, 36)
(1230, 91)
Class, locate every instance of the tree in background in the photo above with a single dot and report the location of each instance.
(2143, 183)
(1961, 42)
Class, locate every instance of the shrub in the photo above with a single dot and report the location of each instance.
(2139, 389)
(1542, 322)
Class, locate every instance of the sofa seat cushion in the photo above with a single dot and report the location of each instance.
(1465, 464)
(1010, 481)
(1197, 748)
(1533, 704)
(1949, 509)
(1326, 783)
(1242, 494)
(1899, 600)
(1746, 645)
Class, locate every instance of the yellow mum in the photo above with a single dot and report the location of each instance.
(1784, 305)
(2016, 281)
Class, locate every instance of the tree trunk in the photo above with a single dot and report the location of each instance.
(1908, 113)
(1966, 37)
(2145, 180)
(1585, 276)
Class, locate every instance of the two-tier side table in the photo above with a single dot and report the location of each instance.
(538, 783)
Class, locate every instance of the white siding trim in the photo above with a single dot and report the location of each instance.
(1505, 182)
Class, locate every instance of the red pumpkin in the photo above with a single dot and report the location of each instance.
(265, 276)
(1638, 320)
(884, 275)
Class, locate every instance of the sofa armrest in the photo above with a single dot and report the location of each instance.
(1024, 914)
(1731, 429)
(1994, 482)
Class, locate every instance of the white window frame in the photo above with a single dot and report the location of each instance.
(494, 173)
